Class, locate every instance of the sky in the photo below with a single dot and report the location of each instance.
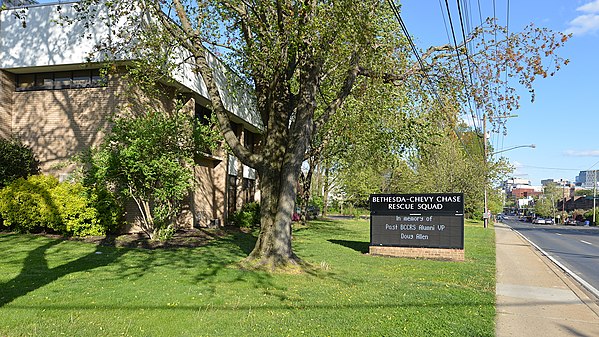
(563, 121)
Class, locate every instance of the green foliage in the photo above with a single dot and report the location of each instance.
(81, 212)
(545, 206)
(321, 55)
(248, 216)
(578, 214)
(27, 204)
(446, 166)
(17, 160)
(316, 201)
(41, 203)
(583, 192)
(149, 158)
(588, 215)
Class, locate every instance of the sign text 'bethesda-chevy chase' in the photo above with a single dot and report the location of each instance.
(417, 202)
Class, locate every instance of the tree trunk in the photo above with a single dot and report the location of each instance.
(278, 184)
(325, 196)
(273, 248)
(306, 185)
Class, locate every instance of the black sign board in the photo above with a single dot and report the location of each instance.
(417, 220)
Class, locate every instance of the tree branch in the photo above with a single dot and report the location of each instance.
(344, 91)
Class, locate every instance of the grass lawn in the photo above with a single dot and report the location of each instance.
(51, 287)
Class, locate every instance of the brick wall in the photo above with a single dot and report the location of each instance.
(58, 124)
(423, 253)
(7, 87)
(209, 194)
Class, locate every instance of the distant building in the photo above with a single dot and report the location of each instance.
(525, 191)
(560, 182)
(524, 202)
(511, 183)
(587, 179)
(577, 202)
(521, 191)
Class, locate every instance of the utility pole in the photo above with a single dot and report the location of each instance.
(594, 193)
(563, 201)
(485, 214)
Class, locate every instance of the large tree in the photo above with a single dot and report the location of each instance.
(303, 60)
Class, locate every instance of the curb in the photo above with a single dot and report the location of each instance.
(570, 273)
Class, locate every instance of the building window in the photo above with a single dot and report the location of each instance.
(248, 140)
(232, 195)
(249, 190)
(203, 114)
(43, 81)
(60, 80)
(63, 79)
(25, 82)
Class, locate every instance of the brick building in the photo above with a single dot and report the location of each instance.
(53, 99)
(524, 192)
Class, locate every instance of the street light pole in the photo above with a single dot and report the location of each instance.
(486, 214)
(514, 147)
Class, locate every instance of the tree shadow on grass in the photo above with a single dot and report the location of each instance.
(36, 272)
(323, 227)
(203, 261)
(359, 246)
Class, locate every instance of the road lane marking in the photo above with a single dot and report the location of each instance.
(560, 265)
(588, 243)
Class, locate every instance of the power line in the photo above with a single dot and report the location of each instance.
(553, 168)
(455, 43)
(593, 165)
(408, 37)
(460, 14)
(507, 42)
(444, 21)
(464, 39)
(460, 64)
(421, 63)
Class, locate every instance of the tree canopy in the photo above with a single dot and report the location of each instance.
(311, 64)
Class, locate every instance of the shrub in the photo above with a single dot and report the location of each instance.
(147, 158)
(248, 216)
(588, 215)
(317, 201)
(42, 203)
(79, 211)
(26, 205)
(16, 161)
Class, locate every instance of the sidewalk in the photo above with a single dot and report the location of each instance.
(534, 297)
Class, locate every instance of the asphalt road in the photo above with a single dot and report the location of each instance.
(576, 247)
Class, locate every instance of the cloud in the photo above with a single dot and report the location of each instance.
(592, 7)
(584, 153)
(588, 22)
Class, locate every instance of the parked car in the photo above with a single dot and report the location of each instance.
(549, 221)
(539, 221)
